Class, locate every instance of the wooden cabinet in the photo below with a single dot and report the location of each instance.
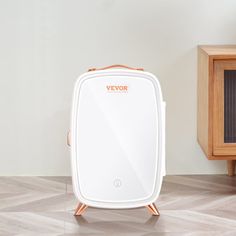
(217, 103)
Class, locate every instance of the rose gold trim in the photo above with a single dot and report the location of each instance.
(115, 66)
(153, 209)
(68, 138)
(80, 209)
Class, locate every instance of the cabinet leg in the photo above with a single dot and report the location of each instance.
(231, 167)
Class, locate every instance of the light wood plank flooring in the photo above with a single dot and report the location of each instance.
(189, 205)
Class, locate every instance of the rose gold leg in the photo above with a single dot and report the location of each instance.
(80, 209)
(153, 209)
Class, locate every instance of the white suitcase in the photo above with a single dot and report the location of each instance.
(117, 139)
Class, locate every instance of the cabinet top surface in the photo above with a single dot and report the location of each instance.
(212, 50)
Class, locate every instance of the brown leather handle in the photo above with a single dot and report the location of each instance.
(115, 66)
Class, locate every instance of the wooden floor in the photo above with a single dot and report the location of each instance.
(189, 205)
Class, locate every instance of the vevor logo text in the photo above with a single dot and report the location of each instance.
(117, 88)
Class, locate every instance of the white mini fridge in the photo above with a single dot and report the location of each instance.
(117, 139)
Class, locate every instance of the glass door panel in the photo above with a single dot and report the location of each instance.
(224, 108)
(230, 106)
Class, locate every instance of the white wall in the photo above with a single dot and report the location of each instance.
(46, 44)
